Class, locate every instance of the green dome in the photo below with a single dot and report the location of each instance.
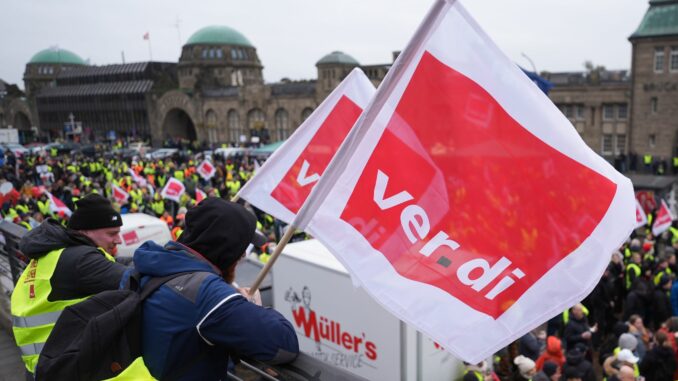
(338, 57)
(221, 35)
(57, 56)
(661, 19)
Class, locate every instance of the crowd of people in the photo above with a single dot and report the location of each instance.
(69, 177)
(626, 329)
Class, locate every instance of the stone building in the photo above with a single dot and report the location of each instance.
(215, 93)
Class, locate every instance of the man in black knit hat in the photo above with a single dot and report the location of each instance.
(67, 265)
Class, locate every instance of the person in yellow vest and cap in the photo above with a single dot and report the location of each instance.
(67, 265)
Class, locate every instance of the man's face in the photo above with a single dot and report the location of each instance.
(577, 312)
(106, 238)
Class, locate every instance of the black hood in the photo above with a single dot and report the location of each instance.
(574, 357)
(50, 235)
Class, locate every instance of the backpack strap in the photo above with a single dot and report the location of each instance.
(155, 283)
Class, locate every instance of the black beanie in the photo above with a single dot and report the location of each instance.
(220, 230)
(94, 212)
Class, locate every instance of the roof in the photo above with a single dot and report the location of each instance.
(305, 88)
(92, 71)
(651, 182)
(661, 19)
(96, 89)
(220, 35)
(338, 57)
(57, 56)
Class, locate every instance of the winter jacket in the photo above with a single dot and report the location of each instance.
(193, 323)
(659, 364)
(660, 308)
(553, 352)
(574, 330)
(530, 346)
(82, 269)
(575, 359)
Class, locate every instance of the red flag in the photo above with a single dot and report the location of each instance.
(130, 238)
(466, 203)
(286, 179)
(206, 170)
(137, 179)
(173, 189)
(57, 206)
(119, 194)
(663, 220)
(199, 196)
(641, 217)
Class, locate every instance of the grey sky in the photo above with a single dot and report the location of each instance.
(291, 35)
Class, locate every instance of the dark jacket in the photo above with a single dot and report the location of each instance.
(194, 322)
(659, 364)
(660, 308)
(574, 330)
(82, 269)
(583, 368)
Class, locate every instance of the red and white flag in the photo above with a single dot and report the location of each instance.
(173, 189)
(119, 194)
(137, 179)
(199, 196)
(206, 170)
(663, 219)
(283, 183)
(641, 217)
(465, 203)
(57, 206)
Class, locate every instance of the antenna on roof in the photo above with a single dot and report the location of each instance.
(177, 24)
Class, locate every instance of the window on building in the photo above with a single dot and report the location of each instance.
(620, 144)
(607, 144)
(608, 112)
(282, 124)
(659, 59)
(673, 66)
(654, 105)
(234, 54)
(306, 113)
(580, 112)
(568, 111)
(622, 111)
(212, 53)
(652, 141)
(220, 53)
(234, 129)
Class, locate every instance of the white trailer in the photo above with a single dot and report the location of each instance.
(9, 136)
(138, 228)
(341, 325)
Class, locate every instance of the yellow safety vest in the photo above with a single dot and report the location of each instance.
(636, 269)
(44, 207)
(478, 375)
(647, 159)
(137, 371)
(636, 370)
(179, 175)
(34, 316)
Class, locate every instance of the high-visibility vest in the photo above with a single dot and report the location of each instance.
(34, 316)
(22, 208)
(674, 235)
(44, 207)
(137, 371)
(636, 269)
(136, 195)
(566, 314)
(179, 175)
(647, 159)
(176, 232)
(26, 225)
(162, 179)
(675, 161)
(478, 375)
(658, 276)
(158, 206)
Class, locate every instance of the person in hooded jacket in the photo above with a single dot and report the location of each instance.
(660, 306)
(66, 266)
(195, 322)
(577, 329)
(659, 363)
(553, 352)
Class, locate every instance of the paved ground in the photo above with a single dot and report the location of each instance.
(11, 367)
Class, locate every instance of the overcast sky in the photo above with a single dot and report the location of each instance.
(291, 35)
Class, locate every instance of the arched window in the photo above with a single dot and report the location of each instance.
(211, 122)
(282, 124)
(256, 124)
(234, 128)
(305, 113)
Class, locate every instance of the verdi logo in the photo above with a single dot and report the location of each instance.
(327, 332)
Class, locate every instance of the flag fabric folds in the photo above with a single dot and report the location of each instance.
(464, 201)
(119, 194)
(57, 206)
(641, 217)
(206, 169)
(283, 183)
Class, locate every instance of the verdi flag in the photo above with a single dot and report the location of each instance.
(173, 189)
(119, 194)
(283, 183)
(199, 196)
(206, 169)
(137, 179)
(57, 206)
(463, 200)
(663, 220)
(641, 217)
